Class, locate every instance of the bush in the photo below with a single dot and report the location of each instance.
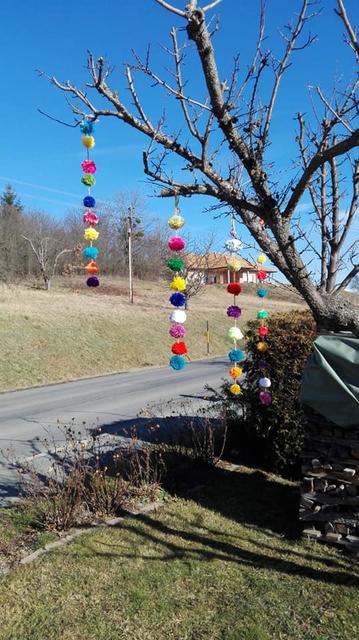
(272, 436)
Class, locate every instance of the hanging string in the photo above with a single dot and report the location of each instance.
(264, 381)
(90, 218)
(178, 285)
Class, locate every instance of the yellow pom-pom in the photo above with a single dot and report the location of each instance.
(235, 372)
(261, 259)
(235, 389)
(91, 234)
(262, 346)
(176, 222)
(234, 264)
(178, 284)
(88, 141)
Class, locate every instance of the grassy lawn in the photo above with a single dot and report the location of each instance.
(224, 563)
(73, 332)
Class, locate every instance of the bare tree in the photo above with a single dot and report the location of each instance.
(236, 114)
(45, 243)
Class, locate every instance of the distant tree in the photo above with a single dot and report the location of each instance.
(9, 201)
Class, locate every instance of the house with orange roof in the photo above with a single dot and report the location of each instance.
(212, 268)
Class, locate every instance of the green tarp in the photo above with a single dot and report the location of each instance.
(330, 383)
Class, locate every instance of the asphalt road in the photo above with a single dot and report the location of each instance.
(28, 416)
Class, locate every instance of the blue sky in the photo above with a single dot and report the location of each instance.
(41, 159)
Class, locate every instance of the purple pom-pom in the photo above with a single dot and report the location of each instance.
(234, 311)
(92, 281)
(265, 398)
(263, 364)
(177, 331)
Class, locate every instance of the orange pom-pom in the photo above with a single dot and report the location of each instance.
(91, 267)
(235, 372)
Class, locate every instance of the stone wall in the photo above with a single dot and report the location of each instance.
(329, 506)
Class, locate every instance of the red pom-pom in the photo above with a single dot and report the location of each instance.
(262, 275)
(179, 348)
(234, 288)
(263, 331)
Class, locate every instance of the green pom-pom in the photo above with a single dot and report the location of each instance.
(262, 314)
(88, 180)
(175, 264)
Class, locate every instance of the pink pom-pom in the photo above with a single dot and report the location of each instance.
(90, 218)
(176, 244)
(88, 166)
(265, 398)
(177, 331)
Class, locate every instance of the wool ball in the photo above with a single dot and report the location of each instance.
(264, 382)
(235, 389)
(90, 252)
(91, 234)
(234, 288)
(262, 293)
(92, 281)
(89, 201)
(178, 316)
(265, 398)
(262, 314)
(87, 127)
(177, 299)
(176, 222)
(90, 218)
(263, 331)
(88, 180)
(91, 267)
(234, 333)
(177, 363)
(235, 372)
(234, 311)
(234, 264)
(179, 348)
(262, 346)
(176, 244)
(178, 284)
(177, 331)
(236, 355)
(233, 245)
(88, 141)
(261, 259)
(262, 275)
(175, 264)
(88, 166)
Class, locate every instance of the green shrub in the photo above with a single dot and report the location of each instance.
(272, 436)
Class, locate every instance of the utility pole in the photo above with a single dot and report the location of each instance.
(129, 236)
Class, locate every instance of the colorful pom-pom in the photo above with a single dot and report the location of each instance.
(263, 364)
(88, 141)
(177, 363)
(236, 355)
(234, 311)
(233, 245)
(261, 259)
(235, 372)
(234, 333)
(90, 218)
(234, 264)
(179, 348)
(264, 382)
(262, 275)
(263, 331)
(265, 398)
(176, 244)
(92, 281)
(91, 267)
(262, 314)
(88, 166)
(262, 346)
(178, 284)
(177, 299)
(262, 293)
(177, 331)
(88, 180)
(89, 201)
(175, 264)
(234, 288)
(87, 127)
(235, 389)
(91, 234)
(90, 252)
(178, 316)
(176, 222)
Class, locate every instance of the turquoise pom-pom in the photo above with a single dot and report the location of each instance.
(262, 293)
(236, 355)
(177, 363)
(90, 252)
(87, 127)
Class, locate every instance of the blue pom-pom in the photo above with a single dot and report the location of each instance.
(177, 299)
(236, 355)
(87, 127)
(89, 201)
(90, 252)
(263, 364)
(92, 281)
(262, 293)
(177, 363)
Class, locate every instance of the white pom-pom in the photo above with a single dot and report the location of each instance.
(233, 245)
(234, 333)
(178, 316)
(265, 383)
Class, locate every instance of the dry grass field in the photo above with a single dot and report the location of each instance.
(72, 332)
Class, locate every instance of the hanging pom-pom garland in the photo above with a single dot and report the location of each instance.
(177, 299)
(90, 218)
(264, 382)
(233, 245)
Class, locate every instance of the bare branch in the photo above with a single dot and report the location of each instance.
(347, 280)
(341, 12)
(169, 7)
